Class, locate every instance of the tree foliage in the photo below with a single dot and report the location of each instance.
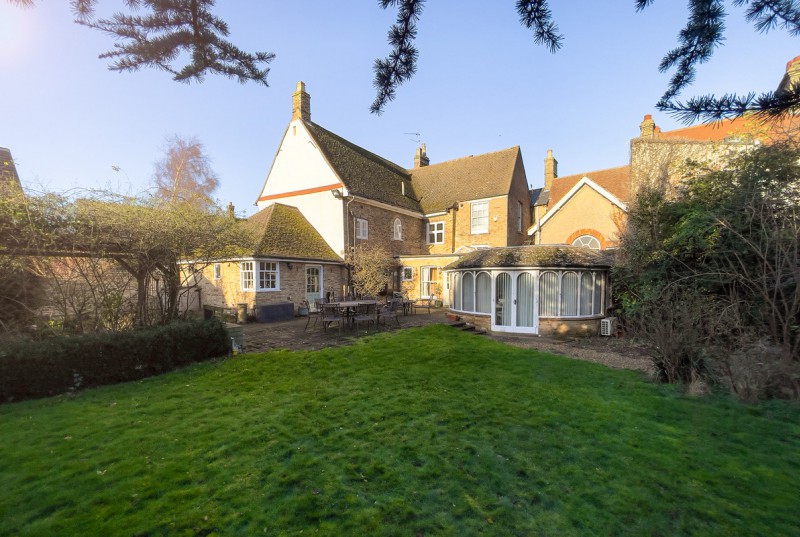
(170, 29)
(184, 175)
(371, 269)
(159, 247)
(719, 266)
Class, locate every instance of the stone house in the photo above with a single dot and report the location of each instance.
(288, 263)
(423, 216)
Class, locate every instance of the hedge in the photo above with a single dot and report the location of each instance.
(65, 364)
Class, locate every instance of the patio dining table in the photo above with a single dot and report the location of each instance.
(348, 307)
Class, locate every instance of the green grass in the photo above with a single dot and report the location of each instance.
(422, 431)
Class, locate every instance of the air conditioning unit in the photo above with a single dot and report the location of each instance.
(608, 326)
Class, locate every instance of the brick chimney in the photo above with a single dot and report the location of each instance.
(647, 128)
(792, 75)
(301, 103)
(420, 157)
(231, 211)
(550, 170)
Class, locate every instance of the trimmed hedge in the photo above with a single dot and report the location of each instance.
(59, 365)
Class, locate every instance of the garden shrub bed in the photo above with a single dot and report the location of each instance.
(55, 366)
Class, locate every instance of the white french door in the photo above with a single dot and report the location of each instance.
(313, 283)
(516, 302)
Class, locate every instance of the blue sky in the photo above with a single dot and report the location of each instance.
(482, 85)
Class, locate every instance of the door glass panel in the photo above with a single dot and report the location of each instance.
(468, 292)
(483, 293)
(502, 304)
(525, 313)
(313, 285)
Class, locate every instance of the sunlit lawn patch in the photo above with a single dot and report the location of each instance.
(422, 431)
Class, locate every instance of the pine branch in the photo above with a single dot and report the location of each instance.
(169, 28)
(401, 64)
(769, 14)
(697, 41)
(535, 15)
(766, 107)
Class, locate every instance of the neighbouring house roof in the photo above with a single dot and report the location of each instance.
(747, 127)
(282, 231)
(440, 186)
(615, 180)
(534, 195)
(534, 256)
(364, 173)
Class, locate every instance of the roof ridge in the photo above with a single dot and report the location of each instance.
(588, 174)
(414, 170)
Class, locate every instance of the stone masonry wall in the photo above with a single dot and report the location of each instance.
(381, 229)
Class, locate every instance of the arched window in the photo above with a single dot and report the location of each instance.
(398, 230)
(468, 291)
(587, 241)
(483, 293)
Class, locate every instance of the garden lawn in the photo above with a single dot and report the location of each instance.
(416, 432)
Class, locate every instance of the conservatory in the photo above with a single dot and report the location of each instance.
(531, 289)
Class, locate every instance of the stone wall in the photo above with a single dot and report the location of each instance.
(227, 292)
(381, 229)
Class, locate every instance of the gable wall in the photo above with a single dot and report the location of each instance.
(585, 211)
(518, 193)
(298, 173)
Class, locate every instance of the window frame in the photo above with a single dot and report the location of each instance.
(482, 220)
(274, 271)
(397, 230)
(244, 271)
(362, 229)
(217, 271)
(432, 230)
(403, 274)
(519, 217)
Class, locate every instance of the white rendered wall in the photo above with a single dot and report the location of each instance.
(299, 167)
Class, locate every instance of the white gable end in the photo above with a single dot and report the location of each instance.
(301, 177)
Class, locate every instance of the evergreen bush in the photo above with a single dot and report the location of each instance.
(60, 365)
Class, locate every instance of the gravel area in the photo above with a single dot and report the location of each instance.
(293, 335)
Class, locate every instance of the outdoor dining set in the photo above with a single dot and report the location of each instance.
(352, 312)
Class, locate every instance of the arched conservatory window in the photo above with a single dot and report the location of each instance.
(483, 293)
(587, 287)
(468, 291)
(569, 294)
(587, 241)
(548, 294)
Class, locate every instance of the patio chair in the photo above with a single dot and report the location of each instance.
(313, 311)
(366, 313)
(390, 311)
(331, 313)
(424, 303)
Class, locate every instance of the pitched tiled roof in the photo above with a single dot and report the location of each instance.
(534, 194)
(364, 173)
(730, 128)
(439, 186)
(534, 256)
(615, 180)
(282, 231)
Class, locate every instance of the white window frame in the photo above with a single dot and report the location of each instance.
(587, 241)
(435, 229)
(397, 230)
(426, 283)
(266, 268)
(217, 271)
(406, 274)
(362, 229)
(247, 275)
(479, 224)
(519, 217)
